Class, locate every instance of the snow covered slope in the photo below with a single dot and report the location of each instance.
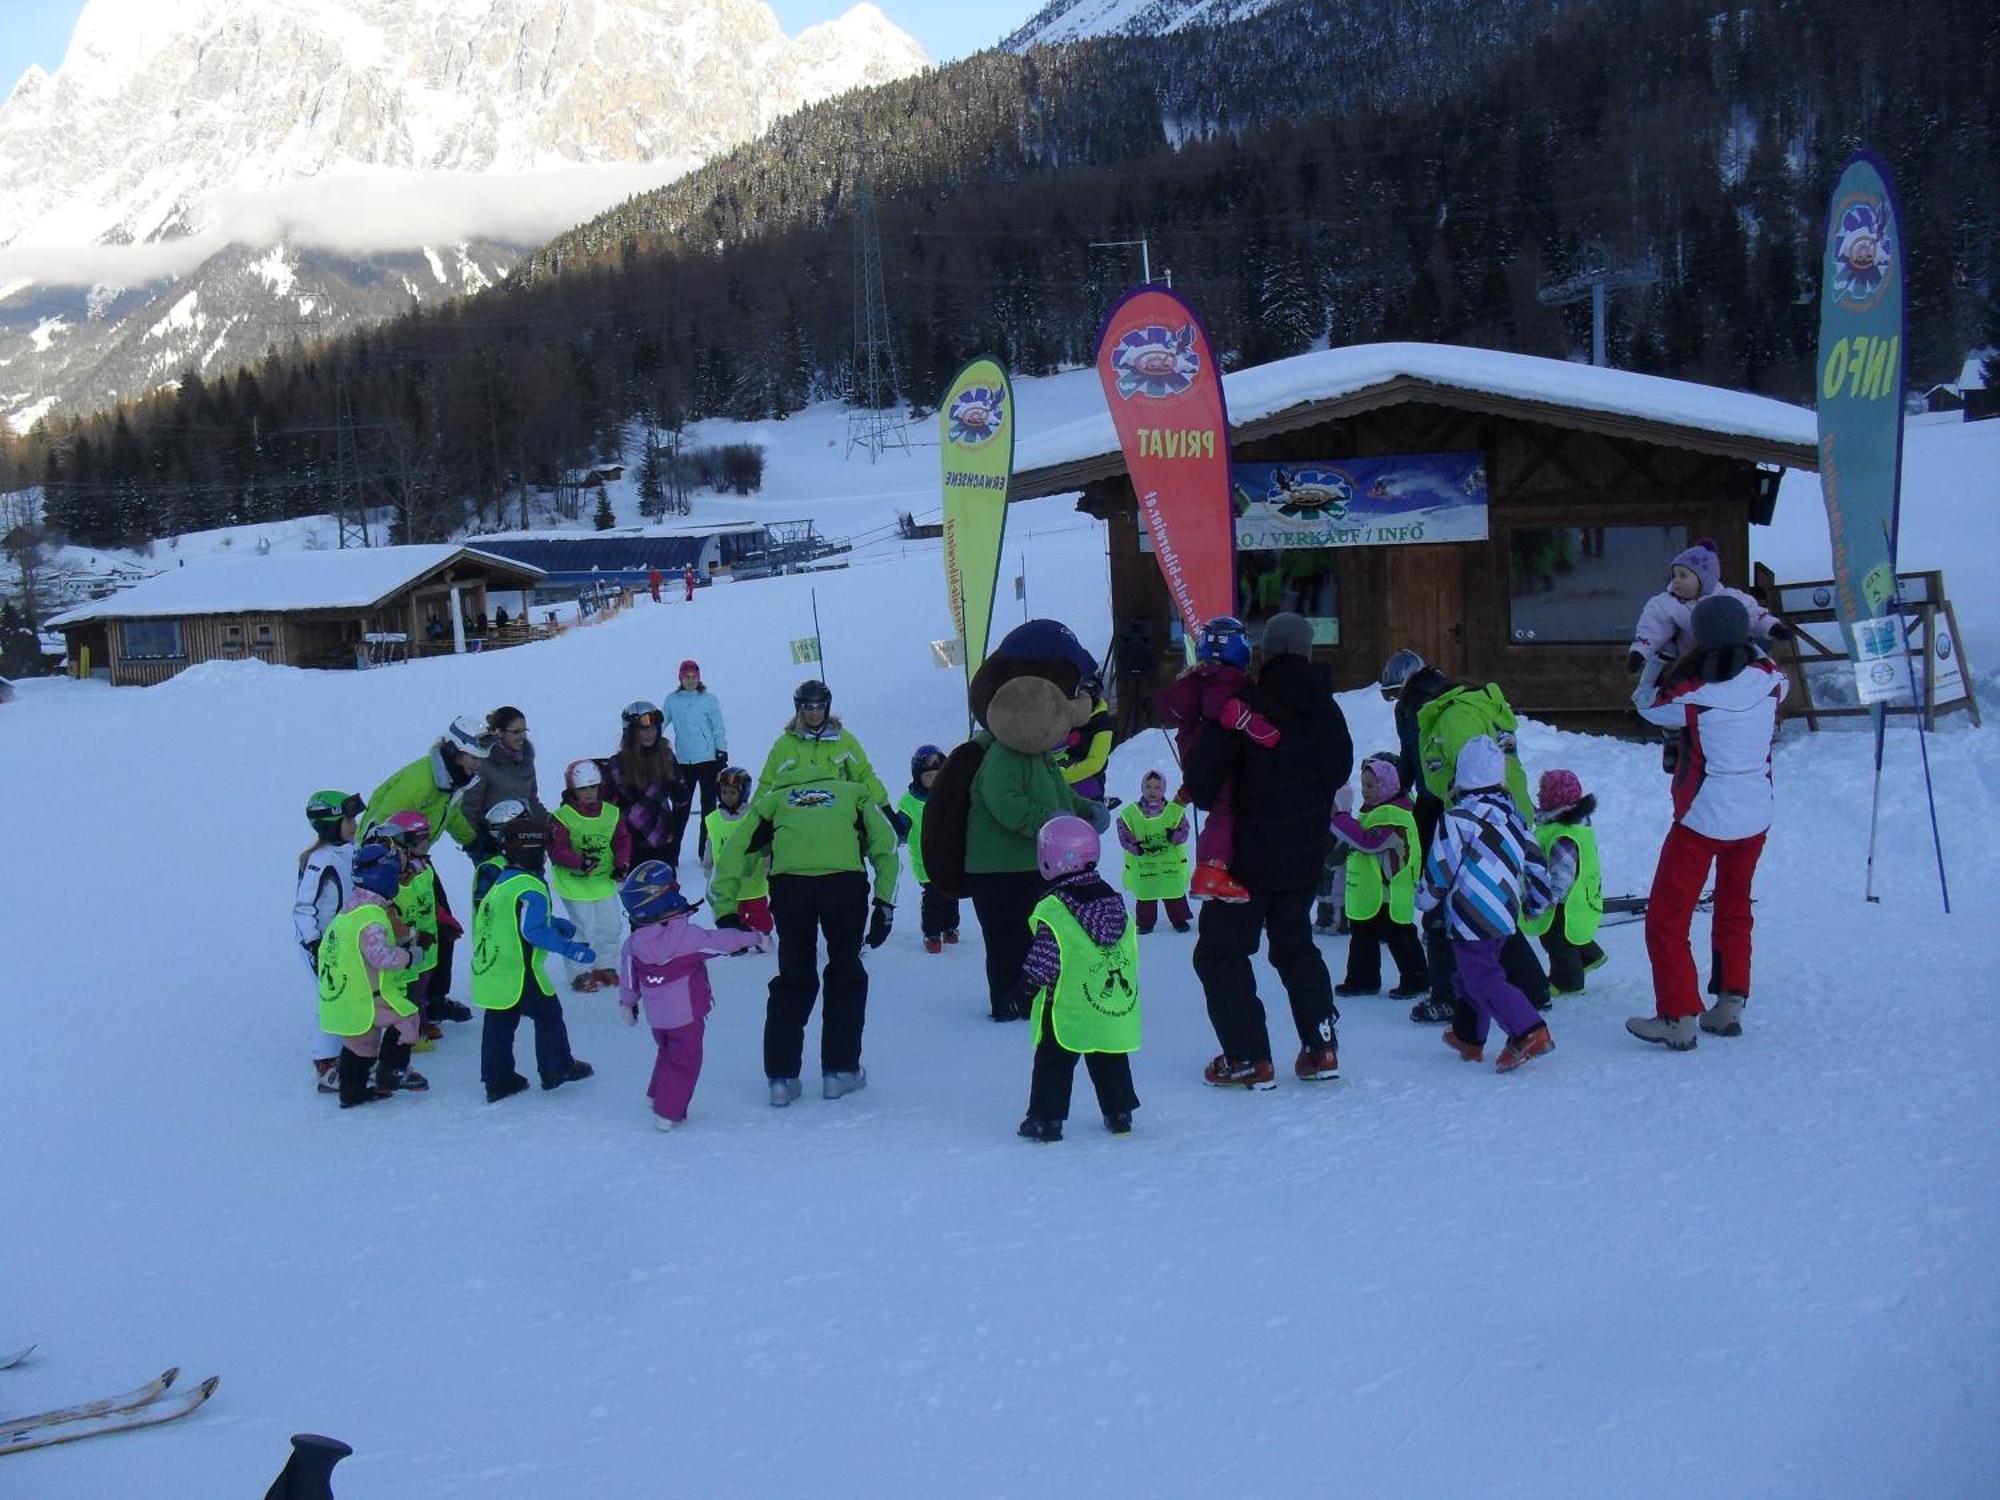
(1765, 1268)
(357, 128)
(1075, 20)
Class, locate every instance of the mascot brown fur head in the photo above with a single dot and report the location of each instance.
(1025, 692)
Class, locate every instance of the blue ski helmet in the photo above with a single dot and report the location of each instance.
(925, 758)
(652, 894)
(1223, 639)
(377, 869)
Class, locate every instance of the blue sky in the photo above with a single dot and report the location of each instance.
(37, 31)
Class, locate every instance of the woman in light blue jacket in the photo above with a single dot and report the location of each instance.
(701, 743)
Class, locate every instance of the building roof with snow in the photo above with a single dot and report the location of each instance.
(284, 582)
(1308, 389)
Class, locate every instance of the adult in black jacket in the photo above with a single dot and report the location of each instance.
(1283, 801)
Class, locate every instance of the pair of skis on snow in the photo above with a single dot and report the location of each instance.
(151, 1404)
(1618, 910)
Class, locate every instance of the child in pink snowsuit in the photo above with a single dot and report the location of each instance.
(1210, 692)
(663, 970)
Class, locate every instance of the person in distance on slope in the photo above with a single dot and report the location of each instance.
(1665, 631)
(1725, 695)
(644, 780)
(512, 927)
(938, 912)
(663, 970)
(1381, 884)
(753, 897)
(822, 838)
(1082, 971)
(1211, 692)
(1568, 929)
(589, 848)
(376, 1021)
(701, 741)
(325, 882)
(1483, 873)
(1153, 834)
(814, 745)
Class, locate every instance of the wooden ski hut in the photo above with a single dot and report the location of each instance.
(1504, 515)
(344, 608)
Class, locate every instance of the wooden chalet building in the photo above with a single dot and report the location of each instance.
(300, 609)
(1565, 489)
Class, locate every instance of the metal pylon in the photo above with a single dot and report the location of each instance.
(874, 420)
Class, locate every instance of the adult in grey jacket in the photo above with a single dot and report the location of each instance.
(509, 771)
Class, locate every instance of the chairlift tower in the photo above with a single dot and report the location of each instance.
(874, 420)
(1595, 283)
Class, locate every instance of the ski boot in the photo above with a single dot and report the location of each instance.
(1316, 1064)
(951, 936)
(1673, 1032)
(1521, 1049)
(1119, 1122)
(576, 1072)
(1470, 1051)
(1226, 1073)
(327, 1070)
(506, 1088)
(1213, 882)
(933, 945)
(1048, 1132)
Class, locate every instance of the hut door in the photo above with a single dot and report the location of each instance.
(1425, 588)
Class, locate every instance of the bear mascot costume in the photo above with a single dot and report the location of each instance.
(999, 787)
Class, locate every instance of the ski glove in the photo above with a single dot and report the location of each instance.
(880, 923)
(312, 951)
(1343, 800)
(564, 927)
(900, 821)
(1780, 631)
(631, 1014)
(1634, 662)
(731, 923)
(579, 953)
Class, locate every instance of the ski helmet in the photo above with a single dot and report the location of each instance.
(640, 712)
(652, 894)
(1223, 639)
(1398, 670)
(325, 810)
(812, 693)
(737, 777)
(582, 773)
(525, 837)
(926, 758)
(468, 735)
(1065, 845)
(416, 827)
(500, 814)
(377, 869)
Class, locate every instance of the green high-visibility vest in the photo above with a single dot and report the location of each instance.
(346, 998)
(501, 961)
(1365, 886)
(1583, 907)
(1160, 870)
(1095, 1007)
(591, 838)
(911, 806)
(756, 882)
(417, 901)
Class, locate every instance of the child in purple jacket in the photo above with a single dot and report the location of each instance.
(663, 968)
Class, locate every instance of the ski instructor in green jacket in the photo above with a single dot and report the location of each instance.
(822, 836)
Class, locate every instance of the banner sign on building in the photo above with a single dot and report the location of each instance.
(1165, 393)
(976, 422)
(1360, 502)
(1861, 402)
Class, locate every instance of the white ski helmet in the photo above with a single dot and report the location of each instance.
(468, 735)
(582, 773)
(500, 814)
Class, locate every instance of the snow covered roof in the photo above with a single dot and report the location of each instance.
(356, 578)
(1309, 388)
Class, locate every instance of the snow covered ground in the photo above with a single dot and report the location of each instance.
(1766, 1268)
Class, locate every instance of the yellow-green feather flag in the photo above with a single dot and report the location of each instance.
(977, 420)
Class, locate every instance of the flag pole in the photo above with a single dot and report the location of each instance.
(1923, 736)
(818, 644)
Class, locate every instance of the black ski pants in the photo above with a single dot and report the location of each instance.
(553, 1058)
(803, 907)
(1229, 934)
(1567, 961)
(1055, 1071)
(1002, 901)
(1365, 941)
(704, 773)
(939, 913)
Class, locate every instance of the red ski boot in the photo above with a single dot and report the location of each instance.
(1213, 882)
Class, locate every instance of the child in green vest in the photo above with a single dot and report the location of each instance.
(732, 797)
(1083, 970)
(364, 947)
(325, 883)
(1568, 929)
(1381, 882)
(1153, 832)
(590, 850)
(937, 912)
(512, 928)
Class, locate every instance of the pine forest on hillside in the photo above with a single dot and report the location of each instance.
(1321, 172)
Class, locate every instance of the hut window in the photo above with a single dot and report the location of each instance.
(152, 639)
(233, 634)
(1584, 585)
(263, 635)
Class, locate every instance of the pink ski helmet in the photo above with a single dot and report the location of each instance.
(1065, 845)
(416, 827)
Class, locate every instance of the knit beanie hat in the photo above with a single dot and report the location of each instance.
(1721, 621)
(1288, 635)
(1558, 789)
(690, 665)
(1702, 560)
(1387, 773)
(1480, 765)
